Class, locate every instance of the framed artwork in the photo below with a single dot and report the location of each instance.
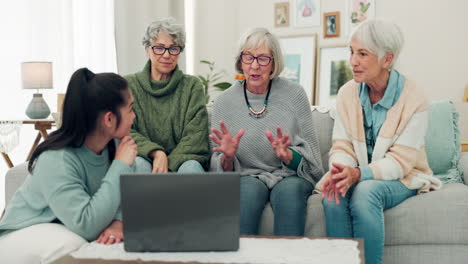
(359, 11)
(281, 14)
(299, 61)
(331, 25)
(334, 70)
(306, 13)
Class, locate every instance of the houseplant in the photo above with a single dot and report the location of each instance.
(211, 78)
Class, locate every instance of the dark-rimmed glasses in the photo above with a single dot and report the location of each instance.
(261, 60)
(159, 50)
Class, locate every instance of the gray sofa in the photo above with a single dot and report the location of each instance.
(427, 228)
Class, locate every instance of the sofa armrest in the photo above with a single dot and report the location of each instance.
(14, 178)
(463, 164)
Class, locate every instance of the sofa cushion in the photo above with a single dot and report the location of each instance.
(324, 128)
(442, 142)
(437, 217)
(14, 178)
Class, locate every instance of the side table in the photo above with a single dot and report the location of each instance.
(464, 146)
(41, 125)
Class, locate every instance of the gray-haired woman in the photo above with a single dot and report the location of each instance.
(377, 159)
(283, 168)
(171, 122)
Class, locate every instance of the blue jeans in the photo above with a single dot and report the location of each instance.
(288, 199)
(360, 213)
(189, 166)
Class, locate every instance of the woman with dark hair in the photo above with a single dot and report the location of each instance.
(72, 194)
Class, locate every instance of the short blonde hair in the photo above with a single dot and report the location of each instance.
(255, 38)
(380, 37)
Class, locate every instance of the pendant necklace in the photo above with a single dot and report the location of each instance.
(252, 112)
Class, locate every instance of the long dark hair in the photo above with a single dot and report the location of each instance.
(88, 96)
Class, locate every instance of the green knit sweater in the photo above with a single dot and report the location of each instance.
(170, 116)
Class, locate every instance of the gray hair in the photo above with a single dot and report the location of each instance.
(253, 39)
(165, 25)
(380, 38)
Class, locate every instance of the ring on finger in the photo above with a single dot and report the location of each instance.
(111, 237)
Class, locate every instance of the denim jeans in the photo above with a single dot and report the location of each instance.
(360, 213)
(189, 166)
(288, 199)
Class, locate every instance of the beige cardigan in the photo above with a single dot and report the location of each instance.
(399, 149)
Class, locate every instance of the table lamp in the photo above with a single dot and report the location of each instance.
(37, 75)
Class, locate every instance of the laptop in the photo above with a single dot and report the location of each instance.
(173, 212)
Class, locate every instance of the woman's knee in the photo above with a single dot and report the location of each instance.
(293, 187)
(142, 165)
(253, 189)
(60, 242)
(367, 195)
(191, 166)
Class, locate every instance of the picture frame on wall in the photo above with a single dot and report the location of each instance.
(358, 11)
(331, 25)
(334, 70)
(306, 13)
(281, 14)
(299, 53)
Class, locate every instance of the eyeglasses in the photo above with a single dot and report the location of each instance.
(261, 60)
(160, 50)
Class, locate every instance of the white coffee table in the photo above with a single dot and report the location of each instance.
(263, 243)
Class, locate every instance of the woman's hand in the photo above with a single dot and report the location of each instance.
(126, 151)
(280, 145)
(160, 161)
(227, 144)
(112, 234)
(328, 188)
(344, 177)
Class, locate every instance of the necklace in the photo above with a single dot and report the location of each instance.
(252, 112)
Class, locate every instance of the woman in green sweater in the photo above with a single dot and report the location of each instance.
(171, 125)
(72, 194)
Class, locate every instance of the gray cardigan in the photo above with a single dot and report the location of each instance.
(288, 108)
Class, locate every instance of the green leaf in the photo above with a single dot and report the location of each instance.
(203, 79)
(365, 8)
(222, 85)
(206, 62)
(353, 15)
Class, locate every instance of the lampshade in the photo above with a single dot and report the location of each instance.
(37, 75)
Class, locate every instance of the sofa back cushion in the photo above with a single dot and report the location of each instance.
(324, 127)
(442, 141)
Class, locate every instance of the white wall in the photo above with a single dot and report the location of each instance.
(435, 54)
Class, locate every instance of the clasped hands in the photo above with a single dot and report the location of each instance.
(228, 144)
(338, 182)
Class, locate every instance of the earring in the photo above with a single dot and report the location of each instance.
(389, 69)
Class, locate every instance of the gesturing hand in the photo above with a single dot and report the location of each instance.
(126, 151)
(227, 144)
(280, 145)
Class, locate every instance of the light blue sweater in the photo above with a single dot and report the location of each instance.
(72, 185)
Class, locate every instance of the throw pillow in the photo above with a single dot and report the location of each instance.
(442, 141)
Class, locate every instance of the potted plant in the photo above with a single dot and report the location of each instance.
(211, 78)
